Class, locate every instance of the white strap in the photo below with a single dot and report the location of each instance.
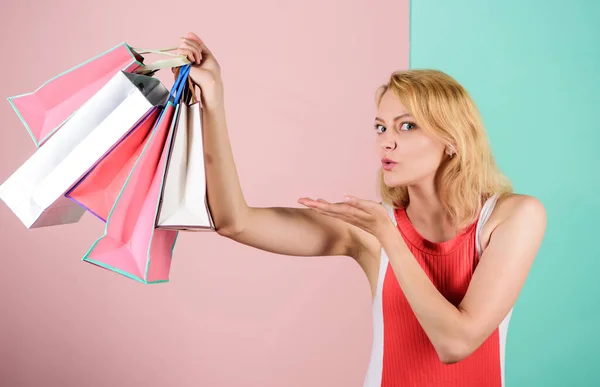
(176, 60)
(159, 51)
(163, 64)
(486, 212)
(390, 211)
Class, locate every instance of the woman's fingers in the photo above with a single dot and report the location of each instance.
(192, 36)
(193, 52)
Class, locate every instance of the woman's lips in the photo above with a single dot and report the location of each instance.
(388, 164)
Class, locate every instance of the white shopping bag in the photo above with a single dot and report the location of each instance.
(183, 204)
(36, 191)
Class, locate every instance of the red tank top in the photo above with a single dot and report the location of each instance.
(409, 358)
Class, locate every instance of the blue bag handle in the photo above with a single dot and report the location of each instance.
(182, 76)
(178, 87)
(180, 84)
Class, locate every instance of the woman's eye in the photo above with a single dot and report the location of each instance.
(407, 126)
(379, 128)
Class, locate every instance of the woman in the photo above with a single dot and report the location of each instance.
(446, 253)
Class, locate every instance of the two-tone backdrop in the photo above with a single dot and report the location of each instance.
(300, 79)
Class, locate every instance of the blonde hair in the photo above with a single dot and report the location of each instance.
(444, 109)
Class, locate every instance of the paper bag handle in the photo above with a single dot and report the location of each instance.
(191, 89)
(179, 86)
(176, 60)
(159, 51)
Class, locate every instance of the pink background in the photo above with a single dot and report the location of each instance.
(300, 80)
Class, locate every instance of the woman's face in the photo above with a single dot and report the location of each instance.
(409, 156)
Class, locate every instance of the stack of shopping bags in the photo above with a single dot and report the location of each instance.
(112, 140)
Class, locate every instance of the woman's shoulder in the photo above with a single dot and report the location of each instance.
(511, 205)
(516, 212)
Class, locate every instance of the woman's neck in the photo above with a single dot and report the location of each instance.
(426, 213)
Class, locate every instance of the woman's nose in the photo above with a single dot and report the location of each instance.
(388, 143)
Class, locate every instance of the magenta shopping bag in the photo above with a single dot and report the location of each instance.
(45, 110)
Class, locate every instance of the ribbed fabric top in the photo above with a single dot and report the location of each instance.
(409, 358)
(434, 248)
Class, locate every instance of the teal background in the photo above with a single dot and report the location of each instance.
(533, 68)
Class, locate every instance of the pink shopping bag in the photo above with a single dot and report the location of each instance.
(131, 245)
(98, 190)
(45, 110)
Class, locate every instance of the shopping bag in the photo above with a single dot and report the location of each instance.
(97, 191)
(131, 245)
(45, 110)
(36, 191)
(183, 203)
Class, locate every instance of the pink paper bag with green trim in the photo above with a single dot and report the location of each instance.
(98, 190)
(131, 245)
(46, 109)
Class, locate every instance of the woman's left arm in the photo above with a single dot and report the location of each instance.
(456, 332)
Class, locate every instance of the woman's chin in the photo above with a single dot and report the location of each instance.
(393, 180)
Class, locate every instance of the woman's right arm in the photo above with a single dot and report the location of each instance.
(280, 230)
